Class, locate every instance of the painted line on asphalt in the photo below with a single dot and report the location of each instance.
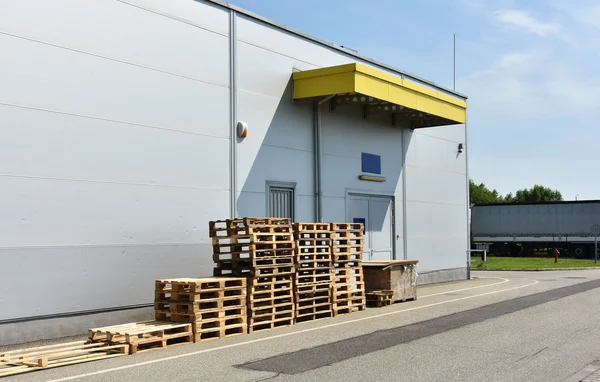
(471, 288)
(285, 334)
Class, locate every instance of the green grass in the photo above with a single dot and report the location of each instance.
(530, 263)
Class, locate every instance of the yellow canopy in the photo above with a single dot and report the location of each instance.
(376, 90)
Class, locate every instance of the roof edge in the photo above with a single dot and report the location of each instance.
(340, 49)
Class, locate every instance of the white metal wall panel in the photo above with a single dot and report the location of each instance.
(163, 35)
(436, 154)
(114, 131)
(436, 196)
(279, 146)
(436, 235)
(281, 164)
(59, 146)
(285, 44)
(84, 85)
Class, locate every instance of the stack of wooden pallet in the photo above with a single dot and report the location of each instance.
(313, 279)
(348, 284)
(214, 306)
(261, 249)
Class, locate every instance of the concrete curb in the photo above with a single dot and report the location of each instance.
(532, 269)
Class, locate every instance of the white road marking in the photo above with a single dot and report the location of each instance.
(285, 334)
(464, 289)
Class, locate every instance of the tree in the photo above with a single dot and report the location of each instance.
(537, 193)
(480, 194)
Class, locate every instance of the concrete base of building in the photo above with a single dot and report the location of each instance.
(441, 276)
(50, 328)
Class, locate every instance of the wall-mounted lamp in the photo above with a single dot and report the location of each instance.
(242, 129)
(461, 147)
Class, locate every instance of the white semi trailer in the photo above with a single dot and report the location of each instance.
(520, 229)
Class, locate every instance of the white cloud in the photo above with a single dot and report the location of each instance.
(523, 20)
(588, 15)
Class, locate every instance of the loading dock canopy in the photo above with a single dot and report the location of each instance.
(377, 92)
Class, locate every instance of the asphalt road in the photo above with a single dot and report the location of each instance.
(505, 326)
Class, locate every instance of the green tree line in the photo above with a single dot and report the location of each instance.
(480, 194)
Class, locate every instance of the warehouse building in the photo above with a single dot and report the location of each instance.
(126, 126)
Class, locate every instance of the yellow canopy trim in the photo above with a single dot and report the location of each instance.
(382, 89)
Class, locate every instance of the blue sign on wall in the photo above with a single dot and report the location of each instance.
(361, 220)
(370, 163)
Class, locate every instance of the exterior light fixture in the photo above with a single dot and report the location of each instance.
(242, 129)
(461, 147)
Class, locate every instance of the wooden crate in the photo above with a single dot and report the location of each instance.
(20, 361)
(397, 275)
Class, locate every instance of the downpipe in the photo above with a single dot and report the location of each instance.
(317, 161)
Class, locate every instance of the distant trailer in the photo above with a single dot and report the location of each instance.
(520, 229)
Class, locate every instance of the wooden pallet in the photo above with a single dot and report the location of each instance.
(261, 262)
(379, 298)
(200, 306)
(313, 243)
(346, 264)
(312, 288)
(314, 278)
(208, 325)
(248, 222)
(255, 272)
(350, 305)
(226, 252)
(260, 296)
(221, 231)
(276, 309)
(314, 313)
(270, 322)
(348, 227)
(347, 249)
(257, 237)
(20, 361)
(314, 265)
(254, 249)
(347, 257)
(142, 336)
(269, 280)
(198, 285)
(221, 332)
(207, 315)
(312, 227)
(313, 256)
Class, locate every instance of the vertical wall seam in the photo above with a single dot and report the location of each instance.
(404, 212)
(232, 114)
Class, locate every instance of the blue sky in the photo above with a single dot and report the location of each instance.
(531, 70)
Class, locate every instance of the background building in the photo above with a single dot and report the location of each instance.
(120, 126)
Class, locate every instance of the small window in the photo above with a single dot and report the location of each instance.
(370, 163)
(280, 200)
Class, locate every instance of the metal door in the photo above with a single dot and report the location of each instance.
(358, 210)
(381, 229)
(376, 212)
